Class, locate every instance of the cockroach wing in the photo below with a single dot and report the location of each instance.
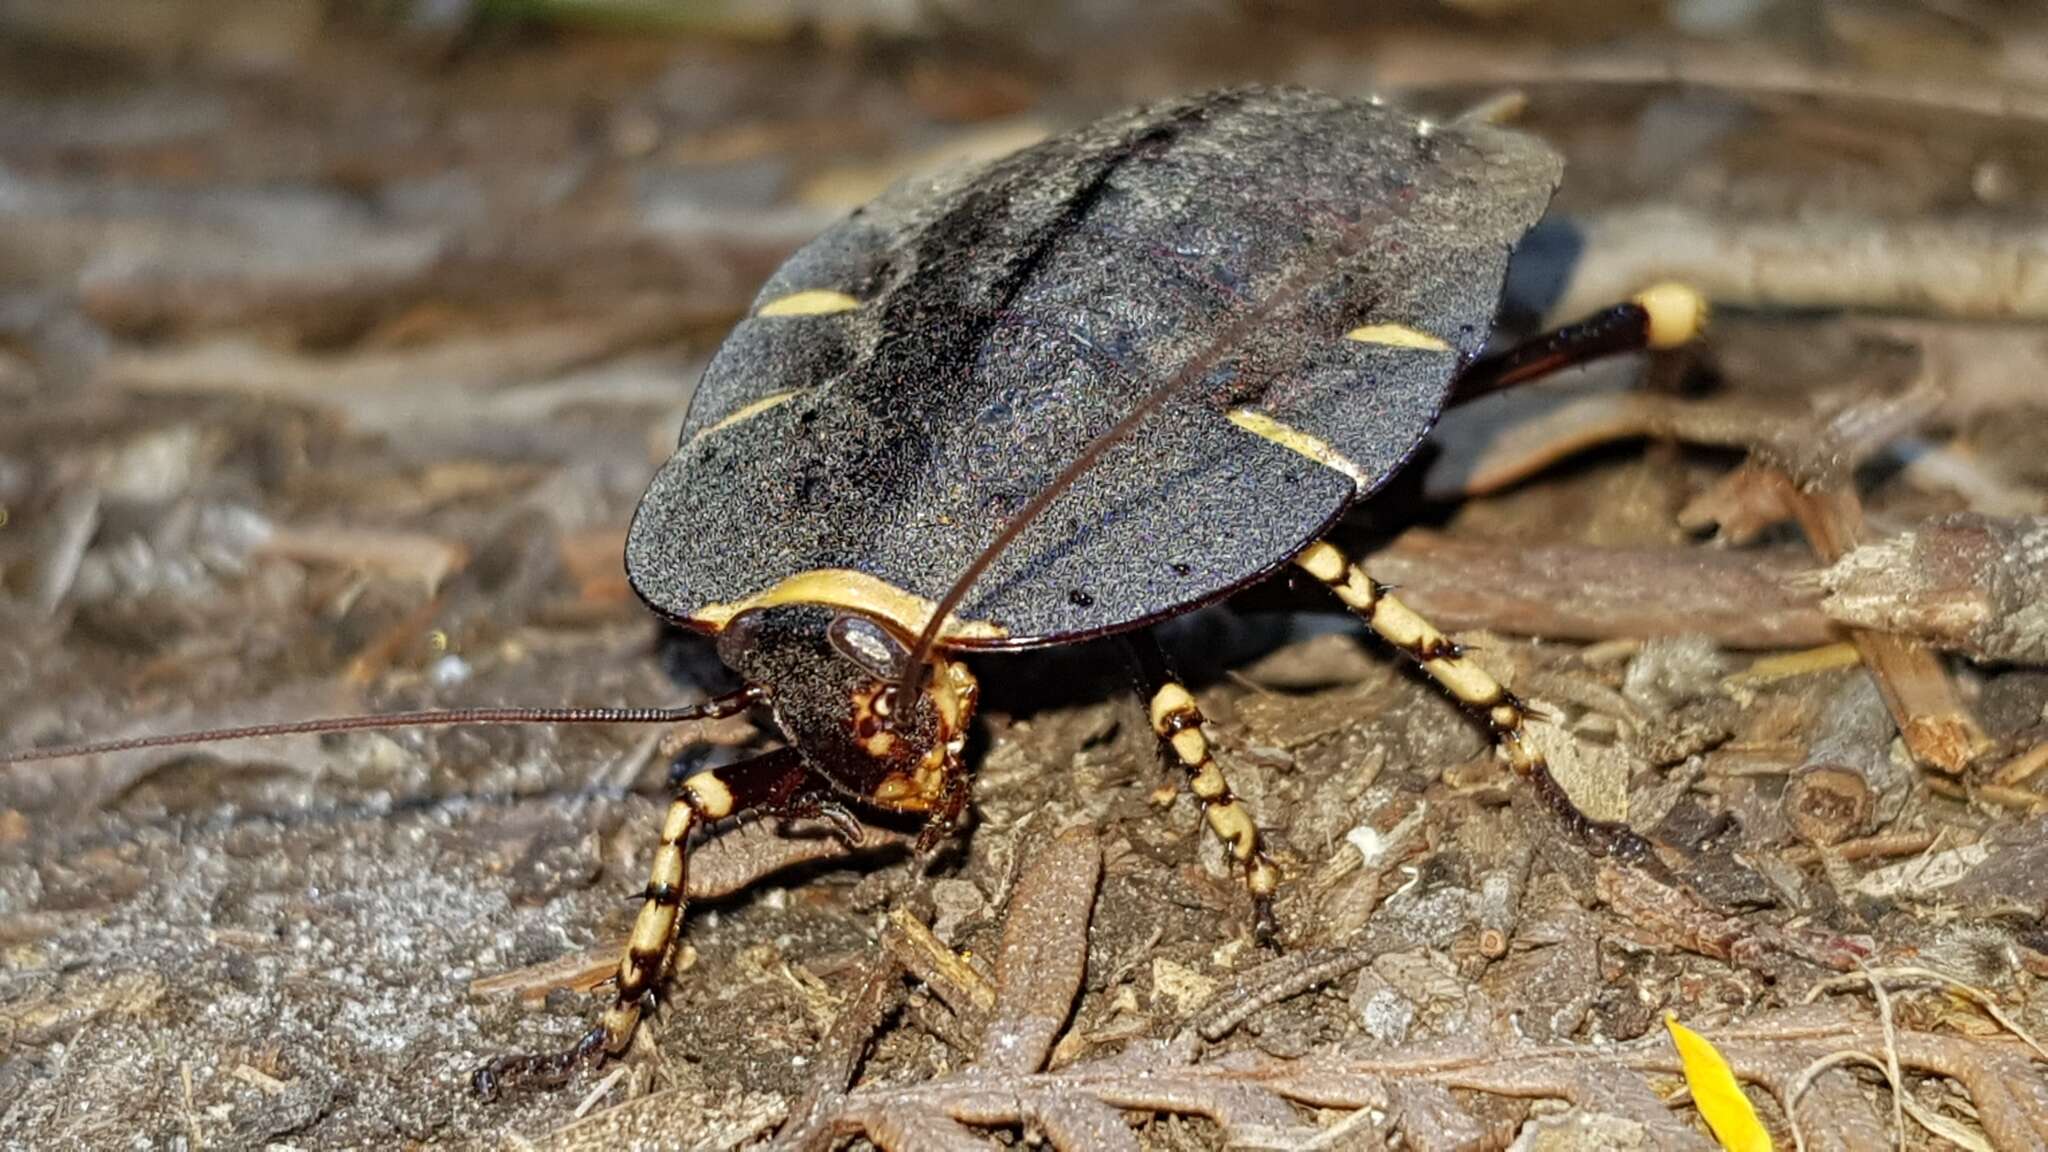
(913, 377)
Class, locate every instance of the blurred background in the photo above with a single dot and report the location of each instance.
(338, 339)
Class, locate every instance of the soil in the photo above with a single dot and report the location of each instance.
(336, 346)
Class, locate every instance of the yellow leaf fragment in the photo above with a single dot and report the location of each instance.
(1715, 1093)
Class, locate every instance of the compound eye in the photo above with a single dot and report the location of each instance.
(869, 645)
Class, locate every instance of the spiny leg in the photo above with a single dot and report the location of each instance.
(777, 783)
(1177, 723)
(1474, 689)
(1660, 317)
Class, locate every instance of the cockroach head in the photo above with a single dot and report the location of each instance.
(832, 677)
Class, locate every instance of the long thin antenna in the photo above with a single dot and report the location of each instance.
(727, 705)
(1195, 367)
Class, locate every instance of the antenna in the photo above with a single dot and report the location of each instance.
(1195, 367)
(727, 705)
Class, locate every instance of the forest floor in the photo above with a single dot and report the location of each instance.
(335, 352)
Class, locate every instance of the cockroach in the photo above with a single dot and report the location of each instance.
(1085, 388)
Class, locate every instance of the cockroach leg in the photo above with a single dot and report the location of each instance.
(946, 811)
(775, 784)
(1177, 723)
(1504, 715)
(1658, 318)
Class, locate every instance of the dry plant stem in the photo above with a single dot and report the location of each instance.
(1045, 952)
(581, 971)
(1529, 447)
(475, 364)
(2010, 1099)
(1835, 792)
(735, 858)
(2023, 767)
(1579, 593)
(1966, 583)
(1792, 435)
(909, 943)
(1915, 973)
(2002, 795)
(1500, 900)
(1259, 989)
(1663, 914)
(839, 1057)
(1969, 268)
(1938, 730)
(1886, 846)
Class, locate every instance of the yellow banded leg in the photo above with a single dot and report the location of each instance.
(1472, 687)
(1177, 721)
(769, 784)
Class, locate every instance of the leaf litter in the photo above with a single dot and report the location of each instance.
(365, 434)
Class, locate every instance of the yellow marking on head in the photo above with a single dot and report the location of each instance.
(953, 690)
(711, 795)
(1301, 443)
(1169, 699)
(809, 302)
(1323, 561)
(747, 412)
(846, 588)
(908, 792)
(1397, 336)
(1677, 313)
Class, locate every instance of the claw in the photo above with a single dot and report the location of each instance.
(1265, 925)
(844, 824)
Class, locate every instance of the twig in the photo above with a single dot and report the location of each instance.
(733, 859)
(907, 941)
(1500, 899)
(1937, 728)
(1976, 268)
(839, 1057)
(2022, 768)
(1045, 952)
(1869, 848)
(598, 1092)
(1976, 995)
(1274, 981)
(581, 971)
(1512, 454)
(1965, 582)
(1786, 665)
(2000, 795)
(1580, 593)
(1836, 791)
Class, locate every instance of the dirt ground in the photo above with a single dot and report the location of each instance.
(337, 342)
